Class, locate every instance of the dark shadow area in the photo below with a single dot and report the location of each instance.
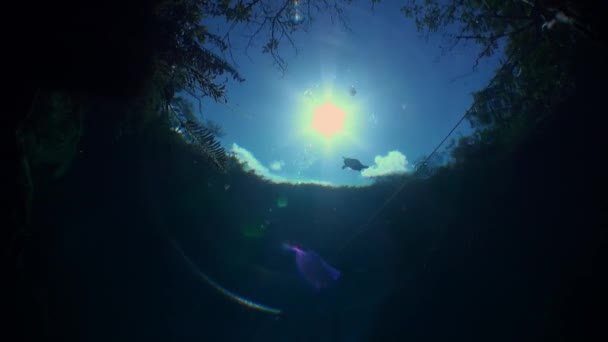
(504, 246)
(523, 257)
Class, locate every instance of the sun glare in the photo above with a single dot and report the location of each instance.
(328, 119)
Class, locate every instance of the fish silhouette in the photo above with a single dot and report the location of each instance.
(354, 164)
(313, 268)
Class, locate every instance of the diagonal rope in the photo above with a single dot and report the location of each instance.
(365, 226)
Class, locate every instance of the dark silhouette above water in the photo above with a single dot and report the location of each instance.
(354, 164)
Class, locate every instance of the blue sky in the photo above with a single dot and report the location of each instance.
(407, 99)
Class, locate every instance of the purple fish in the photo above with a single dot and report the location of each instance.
(313, 268)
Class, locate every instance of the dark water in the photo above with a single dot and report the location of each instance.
(507, 247)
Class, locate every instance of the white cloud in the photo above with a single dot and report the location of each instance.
(251, 163)
(394, 162)
(277, 165)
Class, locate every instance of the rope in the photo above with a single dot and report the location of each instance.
(365, 226)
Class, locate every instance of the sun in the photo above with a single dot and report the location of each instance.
(328, 119)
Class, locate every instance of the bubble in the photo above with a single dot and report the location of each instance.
(352, 90)
(294, 13)
(296, 17)
(282, 202)
(373, 119)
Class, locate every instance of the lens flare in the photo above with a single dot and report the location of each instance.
(225, 292)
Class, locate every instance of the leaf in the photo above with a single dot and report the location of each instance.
(202, 138)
